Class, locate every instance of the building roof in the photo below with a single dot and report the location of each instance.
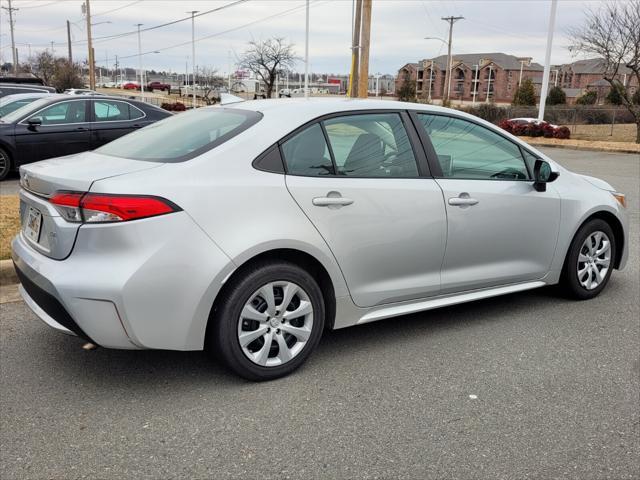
(600, 83)
(593, 65)
(503, 60)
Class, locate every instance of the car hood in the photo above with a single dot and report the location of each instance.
(596, 182)
(77, 172)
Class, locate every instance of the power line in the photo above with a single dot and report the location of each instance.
(217, 34)
(116, 9)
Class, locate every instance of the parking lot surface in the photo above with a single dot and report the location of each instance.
(529, 385)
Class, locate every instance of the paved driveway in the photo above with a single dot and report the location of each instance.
(524, 386)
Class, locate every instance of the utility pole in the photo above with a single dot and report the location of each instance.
(69, 42)
(86, 9)
(447, 77)
(14, 52)
(306, 54)
(547, 61)
(365, 39)
(193, 53)
(476, 83)
(140, 62)
(355, 49)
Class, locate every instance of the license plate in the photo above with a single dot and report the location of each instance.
(32, 224)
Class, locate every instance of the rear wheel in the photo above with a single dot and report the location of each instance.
(590, 260)
(269, 321)
(5, 164)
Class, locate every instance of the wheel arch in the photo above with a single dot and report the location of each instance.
(616, 226)
(298, 257)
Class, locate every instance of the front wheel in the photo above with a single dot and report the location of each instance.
(269, 321)
(590, 260)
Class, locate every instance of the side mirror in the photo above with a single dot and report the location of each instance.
(542, 174)
(34, 122)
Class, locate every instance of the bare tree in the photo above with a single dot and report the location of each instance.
(612, 32)
(268, 59)
(57, 72)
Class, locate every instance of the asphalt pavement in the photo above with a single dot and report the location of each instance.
(529, 385)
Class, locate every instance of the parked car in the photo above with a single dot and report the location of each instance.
(249, 230)
(13, 102)
(151, 86)
(131, 86)
(59, 125)
(527, 120)
(80, 91)
(284, 92)
(13, 88)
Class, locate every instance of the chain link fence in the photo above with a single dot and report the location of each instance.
(606, 123)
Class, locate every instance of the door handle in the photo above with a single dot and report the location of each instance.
(82, 129)
(332, 200)
(462, 200)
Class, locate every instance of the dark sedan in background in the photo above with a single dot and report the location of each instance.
(60, 125)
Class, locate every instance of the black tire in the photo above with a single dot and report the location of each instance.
(222, 341)
(569, 282)
(5, 164)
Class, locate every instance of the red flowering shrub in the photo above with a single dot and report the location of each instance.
(562, 133)
(173, 107)
(506, 125)
(535, 129)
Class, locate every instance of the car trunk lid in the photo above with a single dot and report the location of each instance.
(42, 225)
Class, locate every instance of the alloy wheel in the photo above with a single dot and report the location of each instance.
(594, 260)
(275, 323)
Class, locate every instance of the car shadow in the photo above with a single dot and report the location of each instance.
(142, 370)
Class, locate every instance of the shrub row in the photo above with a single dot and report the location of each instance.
(535, 129)
(174, 107)
(590, 115)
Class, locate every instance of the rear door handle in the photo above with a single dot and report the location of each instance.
(82, 129)
(332, 200)
(462, 200)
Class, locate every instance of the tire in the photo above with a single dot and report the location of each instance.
(580, 258)
(246, 310)
(5, 164)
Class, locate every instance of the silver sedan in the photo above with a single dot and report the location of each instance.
(249, 229)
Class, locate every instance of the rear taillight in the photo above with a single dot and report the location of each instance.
(104, 207)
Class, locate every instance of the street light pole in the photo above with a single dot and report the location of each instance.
(430, 81)
(547, 61)
(140, 62)
(306, 54)
(489, 83)
(193, 53)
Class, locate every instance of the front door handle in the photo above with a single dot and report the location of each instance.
(332, 200)
(462, 200)
(82, 129)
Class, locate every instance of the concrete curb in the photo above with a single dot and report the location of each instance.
(590, 148)
(7, 273)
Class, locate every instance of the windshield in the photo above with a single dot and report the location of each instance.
(183, 136)
(24, 110)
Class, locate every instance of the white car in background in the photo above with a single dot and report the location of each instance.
(249, 230)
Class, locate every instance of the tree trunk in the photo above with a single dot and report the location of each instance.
(637, 129)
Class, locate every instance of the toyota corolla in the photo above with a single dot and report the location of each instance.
(249, 229)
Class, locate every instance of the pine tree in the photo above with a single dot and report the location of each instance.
(556, 96)
(525, 94)
(407, 91)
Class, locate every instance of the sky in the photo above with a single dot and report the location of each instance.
(398, 30)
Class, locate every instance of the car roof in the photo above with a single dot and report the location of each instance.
(297, 111)
(19, 96)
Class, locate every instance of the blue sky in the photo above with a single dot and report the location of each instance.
(517, 27)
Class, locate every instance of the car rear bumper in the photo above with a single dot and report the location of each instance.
(143, 284)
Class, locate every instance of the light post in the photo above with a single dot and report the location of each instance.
(140, 62)
(447, 91)
(193, 53)
(378, 84)
(306, 55)
(555, 82)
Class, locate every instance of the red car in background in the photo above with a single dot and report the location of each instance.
(131, 86)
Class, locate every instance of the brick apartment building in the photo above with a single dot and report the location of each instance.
(483, 76)
(585, 75)
(495, 77)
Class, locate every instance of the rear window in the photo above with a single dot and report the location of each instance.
(183, 136)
